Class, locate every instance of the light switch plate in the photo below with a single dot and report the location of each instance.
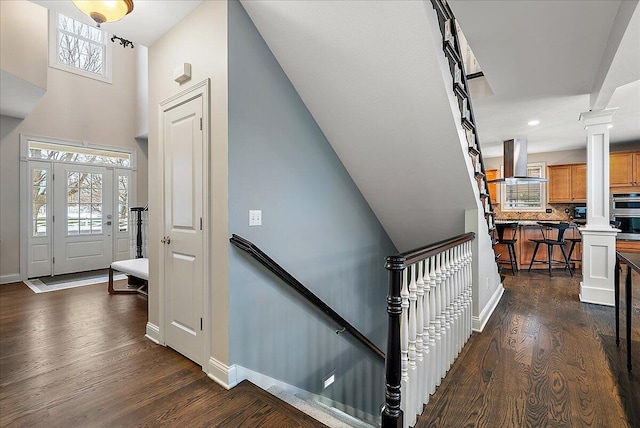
(255, 217)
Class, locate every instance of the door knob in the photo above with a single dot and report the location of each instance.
(166, 240)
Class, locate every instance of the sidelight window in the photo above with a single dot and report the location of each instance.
(39, 200)
(123, 203)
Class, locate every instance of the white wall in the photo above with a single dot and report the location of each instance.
(201, 40)
(23, 29)
(142, 92)
(77, 109)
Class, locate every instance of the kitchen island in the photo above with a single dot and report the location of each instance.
(529, 229)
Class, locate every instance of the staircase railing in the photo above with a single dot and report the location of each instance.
(451, 47)
(429, 308)
(281, 273)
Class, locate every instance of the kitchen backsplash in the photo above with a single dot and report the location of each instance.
(557, 213)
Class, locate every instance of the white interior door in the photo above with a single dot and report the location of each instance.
(183, 212)
(83, 218)
(40, 207)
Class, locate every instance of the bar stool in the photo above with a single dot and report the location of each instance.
(509, 241)
(547, 230)
(574, 242)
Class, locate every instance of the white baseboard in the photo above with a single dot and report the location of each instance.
(153, 333)
(265, 382)
(480, 321)
(13, 277)
(220, 373)
(598, 296)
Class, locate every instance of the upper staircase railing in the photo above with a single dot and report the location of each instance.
(451, 47)
(429, 307)
(281, 273)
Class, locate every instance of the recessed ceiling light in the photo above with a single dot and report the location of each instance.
(533, 123)
(610, 126)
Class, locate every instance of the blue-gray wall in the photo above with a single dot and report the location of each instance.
(315, 223)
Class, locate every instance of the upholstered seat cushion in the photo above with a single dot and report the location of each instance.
(136, 267)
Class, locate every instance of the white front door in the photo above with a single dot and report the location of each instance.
(184, 173)
(83, 218)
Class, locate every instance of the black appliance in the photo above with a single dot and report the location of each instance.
(579, 213)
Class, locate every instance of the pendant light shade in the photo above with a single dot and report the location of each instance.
(104, 10)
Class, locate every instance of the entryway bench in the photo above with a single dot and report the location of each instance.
(138, 268)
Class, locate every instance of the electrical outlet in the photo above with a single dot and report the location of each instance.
(255, 217)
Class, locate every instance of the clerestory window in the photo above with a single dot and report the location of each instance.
(78, 48)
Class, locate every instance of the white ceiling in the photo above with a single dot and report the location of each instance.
(542, 59)
(371, 76)
(149, 19)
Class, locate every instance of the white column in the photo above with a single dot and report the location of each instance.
(598, 237)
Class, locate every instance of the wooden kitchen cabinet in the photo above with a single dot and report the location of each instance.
(567, 183)
(494, 188)
(579, 182)
(624, 169)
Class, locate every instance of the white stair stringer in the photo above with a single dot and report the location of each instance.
(329, 416)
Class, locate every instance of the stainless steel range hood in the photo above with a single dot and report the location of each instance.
(515, 163)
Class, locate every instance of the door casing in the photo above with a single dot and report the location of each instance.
(26, 183)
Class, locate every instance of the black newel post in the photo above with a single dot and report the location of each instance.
(392, 415)
(138, 211)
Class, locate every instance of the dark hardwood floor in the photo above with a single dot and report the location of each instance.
(79, 358)
(544, 359)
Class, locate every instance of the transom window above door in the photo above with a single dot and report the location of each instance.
(78, 154)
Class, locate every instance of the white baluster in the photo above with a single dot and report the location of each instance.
(433, 349)
(470, 288)
(468, 291)
(426, 352)
(413, 375)
(439, 322)
(459, 298)
(404, 344)
(452, 310)
(446, 313)
(420, 338)
(455, 301)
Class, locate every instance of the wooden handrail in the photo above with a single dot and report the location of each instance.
(280, 272)
(412, 256)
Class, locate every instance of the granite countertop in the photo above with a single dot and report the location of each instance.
(528, 222)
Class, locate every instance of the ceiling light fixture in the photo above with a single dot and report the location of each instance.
(104, 10)
(533, 123)
(610, 126)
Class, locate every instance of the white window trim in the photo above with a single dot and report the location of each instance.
(543, 191)
(54, 59)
